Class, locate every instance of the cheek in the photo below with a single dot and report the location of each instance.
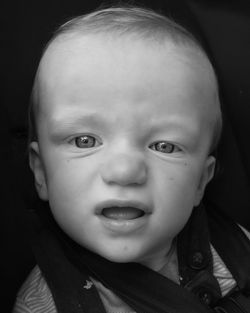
(68, 182)
(174, 191)
(71, 172)
(69, 199)
(180, 179)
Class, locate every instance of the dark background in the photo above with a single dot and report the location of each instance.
(26, 26)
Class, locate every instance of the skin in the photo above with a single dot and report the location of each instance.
(129, 98)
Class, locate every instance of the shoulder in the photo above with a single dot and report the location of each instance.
(34, 295)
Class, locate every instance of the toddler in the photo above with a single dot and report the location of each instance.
(125, 118)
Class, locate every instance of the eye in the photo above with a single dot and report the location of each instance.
(85, 141)
(164, 147)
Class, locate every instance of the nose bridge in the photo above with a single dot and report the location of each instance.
(124, 167)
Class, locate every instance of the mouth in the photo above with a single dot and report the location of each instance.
(123, 217)
(122, 210)
(122, 213)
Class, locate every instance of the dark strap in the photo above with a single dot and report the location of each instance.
(233, 247)
(66, 283)
(236, 302)
(195, 258)
(142, 289)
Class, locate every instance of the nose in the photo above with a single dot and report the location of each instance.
(124, 170)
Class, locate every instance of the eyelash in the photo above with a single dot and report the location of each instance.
(88, 141)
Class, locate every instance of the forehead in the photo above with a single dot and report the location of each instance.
(83, 70)
(78, 52)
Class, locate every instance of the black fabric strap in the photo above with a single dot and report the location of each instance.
(64, 280)
(195, 258)
(142, 289)
(233, 247)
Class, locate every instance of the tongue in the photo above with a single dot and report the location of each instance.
(122, 213)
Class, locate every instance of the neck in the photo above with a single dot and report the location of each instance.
(166, 263)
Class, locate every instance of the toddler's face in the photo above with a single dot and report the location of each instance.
(124, 133)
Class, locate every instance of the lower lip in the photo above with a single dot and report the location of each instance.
(124, 226)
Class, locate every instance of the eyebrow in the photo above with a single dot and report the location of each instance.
(174, 123)
(98, 119)
(72, 121)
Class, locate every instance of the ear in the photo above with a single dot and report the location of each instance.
(207, 175)
(36, 166)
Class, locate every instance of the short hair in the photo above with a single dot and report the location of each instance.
(127, 20)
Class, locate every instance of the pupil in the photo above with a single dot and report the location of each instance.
(165, 147)
(85, 140)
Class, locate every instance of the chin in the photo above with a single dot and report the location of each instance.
(120, 257)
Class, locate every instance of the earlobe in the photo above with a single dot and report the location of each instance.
(207, 175)
(36, 166)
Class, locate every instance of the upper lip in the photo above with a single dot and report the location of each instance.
(122, 203)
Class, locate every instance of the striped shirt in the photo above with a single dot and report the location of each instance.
(35, 295)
